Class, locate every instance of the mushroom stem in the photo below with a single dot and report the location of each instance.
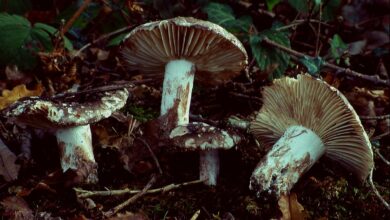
(290, 157)
(76, 152)
(176, 95)
(209, 166)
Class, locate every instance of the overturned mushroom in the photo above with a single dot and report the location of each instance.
(206, 139)
(304, 119)
(183, 49)
(70, 120)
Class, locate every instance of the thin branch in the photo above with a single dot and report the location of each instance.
(152, 154)
(380, 136)
(81, 193)
(371, 78)
(132, 199)
(252, 98)
(378, 195)
(200, 118)
(300, 22)
(75, 16)
(319, 33)
(382, 157)
(114, 86)
(103, 37)
(378, 117)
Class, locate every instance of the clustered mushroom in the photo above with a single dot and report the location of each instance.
(304, 119)
(69, 120)
(184, 48)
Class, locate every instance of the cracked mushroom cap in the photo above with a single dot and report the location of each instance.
(217, 54)
(201, 136)
(48, 114)
(320, 107)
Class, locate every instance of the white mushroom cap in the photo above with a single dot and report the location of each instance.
(320, 107)
(37, 112)
(217, 54)
(201, 136)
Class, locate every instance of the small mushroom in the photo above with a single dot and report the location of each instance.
(69, 121)
(206, 139)
(183, 48)
(304, 119)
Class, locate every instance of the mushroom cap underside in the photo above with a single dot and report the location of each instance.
(40, 113)
(217, 54)
(314, 104)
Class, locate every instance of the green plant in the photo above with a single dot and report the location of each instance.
(20, 40)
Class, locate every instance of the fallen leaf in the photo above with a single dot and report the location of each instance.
(19, 91)
(16, 208)
(105, 139)
(290, 207)
(8, 169)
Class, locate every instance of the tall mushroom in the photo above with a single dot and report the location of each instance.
(183, 48)
(304, 119)
(69, 120)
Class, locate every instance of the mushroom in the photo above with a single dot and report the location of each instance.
(69, 121)
(199, 136)
(304, 119)
(183, 48)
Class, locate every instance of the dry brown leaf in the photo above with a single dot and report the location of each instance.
(8, 169)
(19, 91)
(105, 139)
(16, 208)
(290, 207)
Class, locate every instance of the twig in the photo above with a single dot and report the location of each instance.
(200, 118)
(81, 193)
(319, 33)
(380, 136)
(373, 78)
(382, 157)
(132, 199)
(378, 195)
(116, 86)
(152, 153)
(265, 12)
(252, 98)
(105, 36)
(300, 22)
(75, 16)
(378, 117)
